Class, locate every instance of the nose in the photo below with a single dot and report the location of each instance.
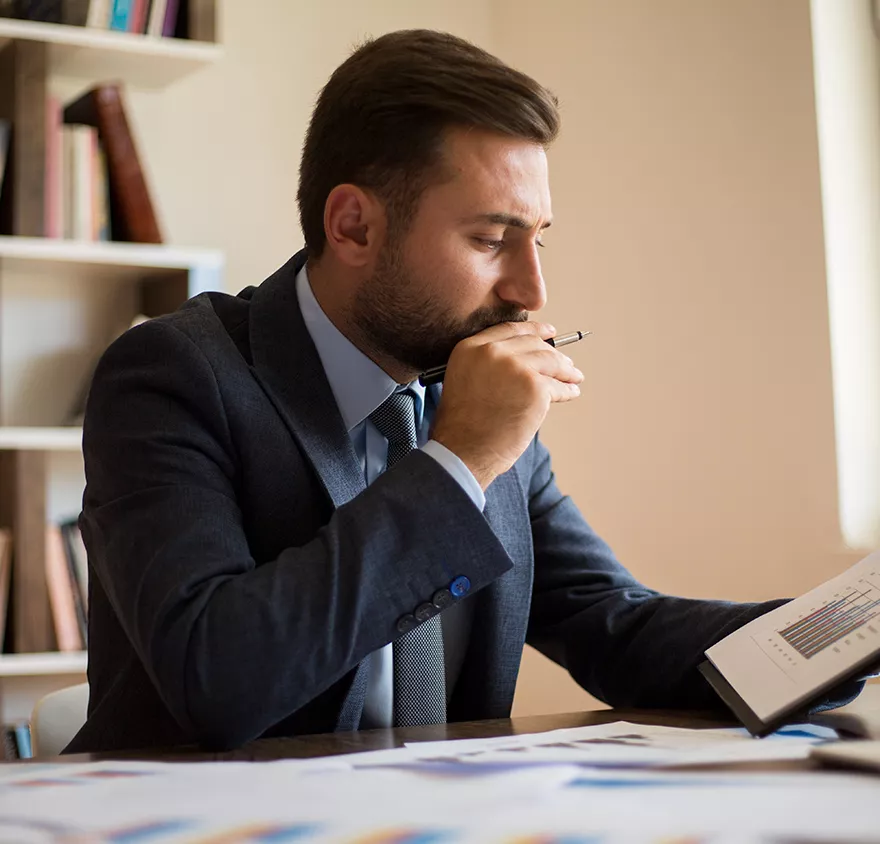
(523, 284)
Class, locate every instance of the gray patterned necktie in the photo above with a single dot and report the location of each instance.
(419, 674)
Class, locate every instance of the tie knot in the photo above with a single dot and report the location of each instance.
(395, 419)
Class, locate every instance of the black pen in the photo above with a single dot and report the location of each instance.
(436, 373)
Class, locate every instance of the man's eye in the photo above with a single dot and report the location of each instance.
(540, 243)
(489, 244)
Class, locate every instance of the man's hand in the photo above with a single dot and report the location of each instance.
(498, 388)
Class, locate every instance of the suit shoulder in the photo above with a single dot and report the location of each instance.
(211, 324)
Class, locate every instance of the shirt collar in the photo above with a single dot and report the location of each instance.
(358, 384)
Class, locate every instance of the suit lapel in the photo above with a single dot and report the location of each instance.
(288, 368)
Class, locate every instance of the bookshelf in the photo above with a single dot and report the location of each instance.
(61, 303)
(142, 61)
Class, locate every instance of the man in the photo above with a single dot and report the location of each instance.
(287, 533)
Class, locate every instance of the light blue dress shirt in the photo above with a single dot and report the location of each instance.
(359, 387)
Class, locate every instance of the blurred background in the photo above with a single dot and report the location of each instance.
(688, 236)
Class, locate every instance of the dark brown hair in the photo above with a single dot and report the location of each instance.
(380, 120)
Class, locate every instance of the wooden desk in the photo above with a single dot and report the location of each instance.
(330, 744)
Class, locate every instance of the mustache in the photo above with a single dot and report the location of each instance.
(487, 317)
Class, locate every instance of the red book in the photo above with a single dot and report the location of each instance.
(132, 215)
(137, 20)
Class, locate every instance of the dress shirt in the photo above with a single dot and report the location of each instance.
(359, 387)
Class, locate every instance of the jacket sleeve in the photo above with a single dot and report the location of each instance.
(628, 645)
(232, 644)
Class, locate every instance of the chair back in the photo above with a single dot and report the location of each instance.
(56, 719)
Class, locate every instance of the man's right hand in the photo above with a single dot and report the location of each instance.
(498, 387)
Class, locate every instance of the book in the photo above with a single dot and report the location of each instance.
(120, 14)
(80, 603)
(156, 21)
(61, 593)
(99, 14)
(132, 215)
(169, 25)
(774, 668)
(23, 740)
(5, 137)
(138, 18)
(77, 556)
(48, 11)
(80, 143)
(5, 578)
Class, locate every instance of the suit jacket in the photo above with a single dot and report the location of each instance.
(241, 571)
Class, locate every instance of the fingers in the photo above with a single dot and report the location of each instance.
(544, 359)
(508, 330)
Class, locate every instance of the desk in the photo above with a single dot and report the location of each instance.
(326, 801)
(331, 744)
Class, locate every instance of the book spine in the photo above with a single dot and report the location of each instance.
(169, 25)
(99, 14)
(82, 620)
(5, 135)
(138, 17)
(83, 182)
(60, 593)
(47, 11)
(77, 549)
(5, 578)
(120, 15)
(157, 18)
(132, 213)
(23, 740)
(101, 195)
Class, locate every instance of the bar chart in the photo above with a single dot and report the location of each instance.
(844, 615)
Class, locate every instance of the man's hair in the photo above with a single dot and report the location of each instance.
(380, 120)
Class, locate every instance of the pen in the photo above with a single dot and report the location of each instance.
(436, 373)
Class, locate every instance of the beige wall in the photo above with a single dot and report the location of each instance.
(687, 236)
(689, 239)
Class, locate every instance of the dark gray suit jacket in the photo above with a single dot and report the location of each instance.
(241, 571)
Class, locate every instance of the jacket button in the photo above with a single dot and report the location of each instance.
(442, 598)
(425, 611)
(460, 586)
(406, 623)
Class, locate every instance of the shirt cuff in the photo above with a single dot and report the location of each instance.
(453, 464)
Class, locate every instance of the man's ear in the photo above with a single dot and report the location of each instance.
(354, 224)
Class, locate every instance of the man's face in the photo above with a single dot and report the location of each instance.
(469, 257)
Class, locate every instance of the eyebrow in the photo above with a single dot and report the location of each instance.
(510, 220)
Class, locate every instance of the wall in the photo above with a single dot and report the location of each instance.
(687, 237)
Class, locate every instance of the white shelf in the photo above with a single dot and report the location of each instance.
(142, 61)
(145, 255)
(40, 439)
(115, 262)
(43, 664)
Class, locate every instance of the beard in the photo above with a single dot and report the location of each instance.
(397, 316)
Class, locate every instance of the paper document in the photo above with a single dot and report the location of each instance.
(625, 745)
(790, 656)
(323, 801)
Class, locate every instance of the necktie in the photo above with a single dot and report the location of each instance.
(419, 673)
